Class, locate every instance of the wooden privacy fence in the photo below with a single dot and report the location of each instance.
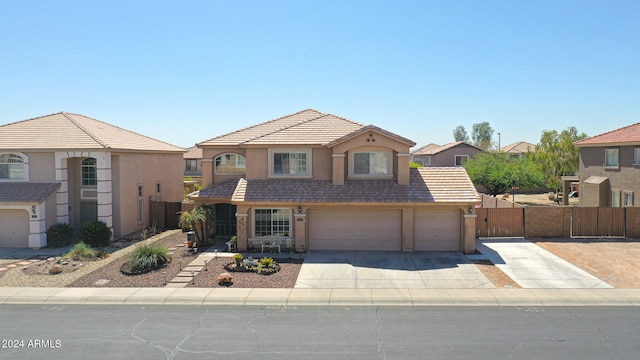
(542, 221)
(164, 214)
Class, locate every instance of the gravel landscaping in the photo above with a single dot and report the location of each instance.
(285, 278)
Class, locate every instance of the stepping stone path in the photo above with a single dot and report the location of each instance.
(22, 263)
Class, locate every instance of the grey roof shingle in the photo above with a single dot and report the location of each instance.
(427, 185)
(26, 192)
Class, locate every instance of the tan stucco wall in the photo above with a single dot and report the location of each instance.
(146, 170)
(322, 164)
(42, 167)
(257, 163)
(448, 157)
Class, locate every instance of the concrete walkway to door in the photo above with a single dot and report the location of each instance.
(389, 270)
(533, 267)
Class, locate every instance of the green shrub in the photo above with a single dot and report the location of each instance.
(266, 262)
(81, 251)
(60, 235)
(238, 259)
(148, 257)
(95, 234)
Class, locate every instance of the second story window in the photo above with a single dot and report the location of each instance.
(636, 156)
(192, 165)
(12, 167)
(291, 163)
(230, 164)
(461, 159)
(611, 158)
(89, 172)
(371, 163)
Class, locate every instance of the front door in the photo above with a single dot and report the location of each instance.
(226, 220)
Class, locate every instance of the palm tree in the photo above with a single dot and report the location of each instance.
(200, 220)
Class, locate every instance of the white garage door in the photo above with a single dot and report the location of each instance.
(436, 230)
(14, 228)
(355, 230)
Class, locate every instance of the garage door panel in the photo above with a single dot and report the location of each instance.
(355, 230)
(14, 228)
(437, 230)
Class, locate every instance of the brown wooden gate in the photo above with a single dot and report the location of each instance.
(500, 222)
(593, 221)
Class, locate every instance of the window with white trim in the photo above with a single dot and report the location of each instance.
(615, 198)
(289, 162)
(461, 159)
(89, 171)
(370, 163)
(628, 199)
(272, 222)
(230, 164)
(191, 165)
(611, 158)
(636, 156)
(140, 204)
(12, 167)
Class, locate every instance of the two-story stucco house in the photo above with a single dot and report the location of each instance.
(323, 182)
(609, 169)
(451, 154)
(68, 168)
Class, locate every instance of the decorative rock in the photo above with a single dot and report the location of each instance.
(101, 282)
(55, 269)
(225, 277)
(51, 259)
(64, 263)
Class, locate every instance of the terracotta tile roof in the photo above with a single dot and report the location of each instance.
(520, 147)
(317, 131)
(626, 135)
(193, 152)
(73, 131)
(428, 185)
(218, 192)
(425, 149)
(262, 129)
(26, 192)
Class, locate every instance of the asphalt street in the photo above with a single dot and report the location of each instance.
(281, 332)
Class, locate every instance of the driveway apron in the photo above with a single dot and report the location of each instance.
(389, 270)
(534, 267)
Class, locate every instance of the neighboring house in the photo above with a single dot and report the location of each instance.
(321, 182)
(451, 154)
(68, 168)
(192, 158)
(610, 168)
(518, 149)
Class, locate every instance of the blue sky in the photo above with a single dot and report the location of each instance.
(186, 71)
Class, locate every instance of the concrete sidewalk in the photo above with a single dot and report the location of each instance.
(322, 297)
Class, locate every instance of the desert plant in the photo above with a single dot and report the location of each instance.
(238, 259)
(59, 235)
(81, 251)
(201, 220)
(95, 234)
(148, 257)
(266, 262)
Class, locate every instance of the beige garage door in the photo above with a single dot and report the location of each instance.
(14, 228)
(355, 230)
(436, 230)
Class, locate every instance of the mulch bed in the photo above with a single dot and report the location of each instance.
(153, 278)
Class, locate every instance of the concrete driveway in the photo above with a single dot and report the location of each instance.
(389, 270)
(534, 267)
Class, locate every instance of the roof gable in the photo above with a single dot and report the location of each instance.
(627, 135)
(73, 131)
(520, 147)
(373, 128)
(439, 149)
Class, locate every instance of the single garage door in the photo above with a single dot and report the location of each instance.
(355, 230)
(14, 228)
(436, 230)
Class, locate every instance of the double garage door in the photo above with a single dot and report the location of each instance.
(434, 230)
(14, 228)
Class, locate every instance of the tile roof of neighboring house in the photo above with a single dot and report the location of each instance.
(427, 185)
(432, 150)
(520, 147)
(26, 192)
(73, 131)
(425, 149)
(193, 152)
(626, 135)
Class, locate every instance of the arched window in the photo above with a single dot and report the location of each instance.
(231, 164)
(89, 172)
(12, 167)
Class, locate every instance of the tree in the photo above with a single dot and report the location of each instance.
(498, 171)
(460, 134)
(481, 135)
(201, 220)
(557, 155)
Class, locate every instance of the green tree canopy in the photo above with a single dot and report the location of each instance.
(557, 155)
(481, 135)
(460, 134)
(498, 171)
